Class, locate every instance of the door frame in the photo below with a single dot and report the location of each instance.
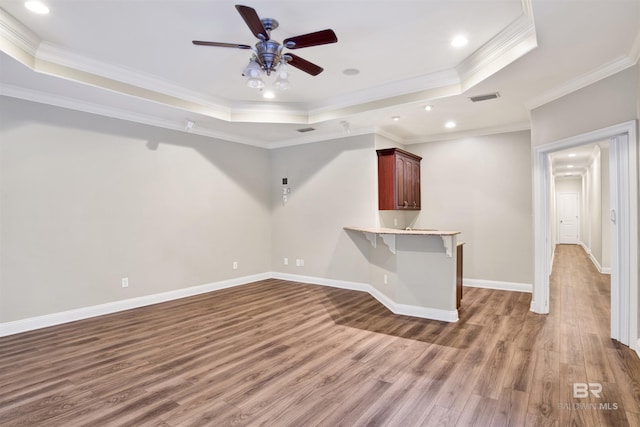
(579, 220)
(623, 164)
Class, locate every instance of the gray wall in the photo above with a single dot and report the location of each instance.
(333, 185)
(605, 103)
(86, 200)
(482, 187)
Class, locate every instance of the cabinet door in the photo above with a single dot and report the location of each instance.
(407, 183)
(401, 187)
(409, 188)
(415, 184)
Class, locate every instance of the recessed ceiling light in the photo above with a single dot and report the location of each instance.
(459, 41)
(395, 118)
(428, 107)
(570, 166)
(572, 155)
(37, 7)
(450, 124)
(350, 71)
(268, 94)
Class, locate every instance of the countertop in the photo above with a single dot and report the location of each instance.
(415, 232)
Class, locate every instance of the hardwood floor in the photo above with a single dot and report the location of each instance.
(278, 353)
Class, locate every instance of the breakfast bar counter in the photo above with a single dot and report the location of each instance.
(413, 271)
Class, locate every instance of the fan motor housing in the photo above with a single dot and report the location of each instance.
(269, 23)
(268, 54)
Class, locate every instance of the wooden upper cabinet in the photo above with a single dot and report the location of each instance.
(398, 180)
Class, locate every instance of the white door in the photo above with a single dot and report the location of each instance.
(568, 218)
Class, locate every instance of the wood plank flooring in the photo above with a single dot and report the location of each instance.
(278, 353)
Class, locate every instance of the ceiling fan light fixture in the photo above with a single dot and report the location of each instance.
(252, 70)
(255, 83)
(268, 54)
(253, 73)
(282, 82)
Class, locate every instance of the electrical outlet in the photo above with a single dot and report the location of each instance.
(285, 261)
(235, 265)
(301, 262)
(125, 282)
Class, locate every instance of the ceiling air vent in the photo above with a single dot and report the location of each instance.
(485, 97)
(303, 130)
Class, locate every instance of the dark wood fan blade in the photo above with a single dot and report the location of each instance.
(234, 45)
(253, 21)
(311, 39)
(304, 65)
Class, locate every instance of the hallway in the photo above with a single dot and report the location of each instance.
(577, 344)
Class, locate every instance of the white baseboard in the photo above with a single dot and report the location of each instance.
(24, 325)
(342, 284)
(53, 319)
(502, 286)
(394, 307)
(585, 247)
(602, 270)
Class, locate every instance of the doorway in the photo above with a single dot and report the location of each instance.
(624, 225)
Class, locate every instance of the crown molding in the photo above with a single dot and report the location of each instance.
(257, 112)
(518, 39)
(512, 127)
(16, 40)
(16, 33)
(606, 70)
(74, 62)
(391, 90)
(321, 137)
(117, 113)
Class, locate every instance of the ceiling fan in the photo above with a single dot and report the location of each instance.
(268, 53)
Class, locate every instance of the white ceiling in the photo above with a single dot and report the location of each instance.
(574, 162)
(134, 59)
